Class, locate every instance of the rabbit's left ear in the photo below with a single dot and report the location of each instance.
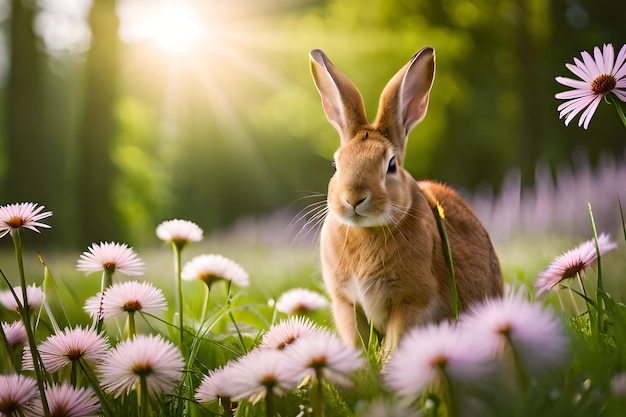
(342, 101)
(404, 101)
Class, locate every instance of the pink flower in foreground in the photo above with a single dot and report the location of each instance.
(323, 355)
(151, 357)
(26, 215)
(67, 401)
(179, 232)
(572, 262)
(16, 393)
(300, 300)
(260, 370)
(599, 75)
(535, 334)
(34, 294)
(217, 384)
(15, 333)
(287, 331)
(70, 345)
(113, 257)
(425, 351)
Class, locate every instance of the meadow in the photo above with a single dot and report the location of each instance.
(237, 323)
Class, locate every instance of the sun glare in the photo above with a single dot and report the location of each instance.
(174, 27)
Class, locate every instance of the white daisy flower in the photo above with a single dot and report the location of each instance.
(112, 257)
(66, 400)
(179, 232)
(216, 384)
(158, 360)
(300, 300)
(212, 268)
(15, 333)
(260, 371)
(61, 349)
(21, 215)
(322, 355)
(288, 331)
(130, 297)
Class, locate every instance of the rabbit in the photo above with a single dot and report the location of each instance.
(382, 258)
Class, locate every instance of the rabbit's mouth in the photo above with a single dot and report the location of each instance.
(352, 217)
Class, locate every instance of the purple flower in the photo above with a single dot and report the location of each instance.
(16, 393)
(34, 294)
(426, 351)
(15, 333)
(572, 262)
(599, 75)
(535, 334)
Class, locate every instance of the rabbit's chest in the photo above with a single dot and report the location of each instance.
(372, 292)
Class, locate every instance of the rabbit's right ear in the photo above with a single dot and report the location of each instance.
(342, 101)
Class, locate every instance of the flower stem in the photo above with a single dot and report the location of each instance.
(24, 310)
(107, 281)
(179, 290)
(227, 406)
(448, 394)
(618, 108)
(130, 325)
(142, 394)
(317, 395)
(269, 402)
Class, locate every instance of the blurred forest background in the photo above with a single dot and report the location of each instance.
(119, 114)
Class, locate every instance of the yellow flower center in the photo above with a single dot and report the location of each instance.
(603, 84)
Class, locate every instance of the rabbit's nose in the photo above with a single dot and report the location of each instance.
(355, 201)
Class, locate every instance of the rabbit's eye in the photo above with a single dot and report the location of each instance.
(392, 168)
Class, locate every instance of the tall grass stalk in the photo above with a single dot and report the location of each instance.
(447, 253)
(24, 310)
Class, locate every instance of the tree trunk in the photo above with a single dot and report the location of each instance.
(98, 220)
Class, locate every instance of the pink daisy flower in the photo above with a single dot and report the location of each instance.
(15, 333)
(599, 75)
(131, 297)
(426, 351)
(67, 401)
(535, 334)
(70, 345)
(22, 215)
(212, 268)
(113, 257)
(288, 331)
(151, 357)
(179, 232)
(215, 385)
(300, 300)
(34, 294)
(322, 355)
(260, 371)
(16, 393)
(572, 262)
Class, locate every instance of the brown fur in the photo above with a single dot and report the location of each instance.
(382, 257)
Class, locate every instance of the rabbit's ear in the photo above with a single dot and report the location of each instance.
(404, 100)
(341, 99)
